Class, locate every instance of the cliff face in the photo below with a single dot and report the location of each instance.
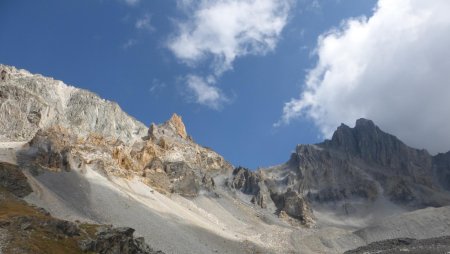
(32, 102)
(72, 128)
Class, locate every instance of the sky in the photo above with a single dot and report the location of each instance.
(250, 78)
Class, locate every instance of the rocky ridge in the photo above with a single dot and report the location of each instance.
(360, 164)
(33, 102)
(69, 128)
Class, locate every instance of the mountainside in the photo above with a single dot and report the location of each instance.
(84, 160)
(354, 171)
(32, 102)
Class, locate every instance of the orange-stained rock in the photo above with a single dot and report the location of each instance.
(178, 124)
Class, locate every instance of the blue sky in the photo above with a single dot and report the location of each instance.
(127, 51)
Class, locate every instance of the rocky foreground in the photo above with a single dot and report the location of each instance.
(28, 229)
(406, 245)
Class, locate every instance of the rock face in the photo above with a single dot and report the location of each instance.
(32, 102)
(72, 128)
(250, 183)
(295, 206)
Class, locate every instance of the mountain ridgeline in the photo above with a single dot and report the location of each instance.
(85, 160)
(358, 164)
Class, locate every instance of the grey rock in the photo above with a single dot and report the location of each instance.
(250, 183)
(246, 181)
(32, 102)
(116, 241)
(295, 206)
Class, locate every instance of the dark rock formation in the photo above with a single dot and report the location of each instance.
(245, 181)
(13, 180)
(250, 183)
(110, 240)
(295, 206)
(441, 168)
(364, 162)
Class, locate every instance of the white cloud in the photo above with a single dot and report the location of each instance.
(393, 68)
(220, 31)
(205, 92)
(144, 23)
(227, 29)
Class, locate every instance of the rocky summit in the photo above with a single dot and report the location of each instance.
(79, 175)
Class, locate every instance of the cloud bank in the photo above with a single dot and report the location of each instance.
(219, 31)
(393, 68)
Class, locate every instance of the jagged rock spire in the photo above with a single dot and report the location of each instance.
(177, 123)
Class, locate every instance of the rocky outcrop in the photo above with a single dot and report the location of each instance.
(292, 204)
(250, 183)
(245, 181)
(13, 180)
(110, 240)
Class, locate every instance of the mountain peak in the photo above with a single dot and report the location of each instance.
(362, 122)
(368, 142)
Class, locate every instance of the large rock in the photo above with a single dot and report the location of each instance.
(294, 205)
(250, 183)
(110, 240)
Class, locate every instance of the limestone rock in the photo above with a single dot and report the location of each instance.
(31, 102)
(72, 128)
(178, 125)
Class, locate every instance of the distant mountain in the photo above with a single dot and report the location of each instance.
(356, 168)
(89, 164)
